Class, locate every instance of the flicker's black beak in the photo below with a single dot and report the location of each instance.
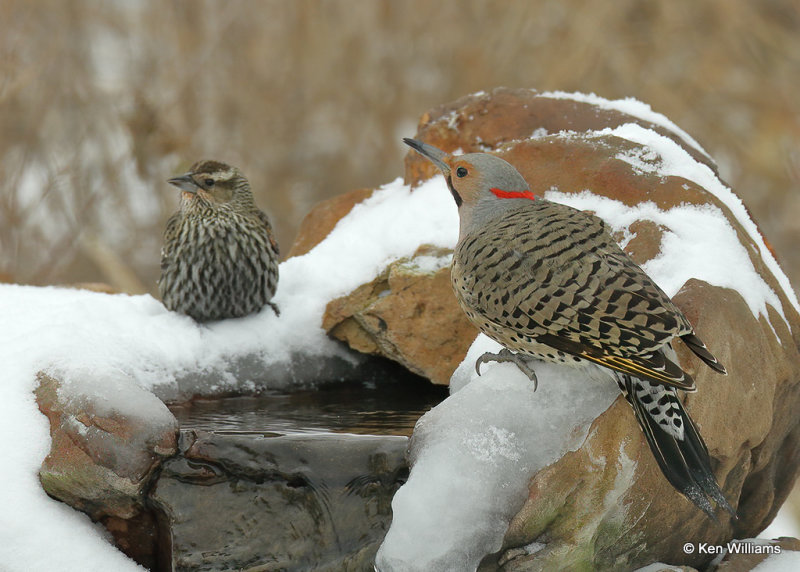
(436, 156)
(184, 183)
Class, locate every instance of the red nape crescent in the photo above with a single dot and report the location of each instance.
(501, 194)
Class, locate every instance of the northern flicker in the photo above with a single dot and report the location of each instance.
(220, 259)
(548, 282)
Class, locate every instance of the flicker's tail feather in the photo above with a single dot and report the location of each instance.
(682, 455)
(699, 348)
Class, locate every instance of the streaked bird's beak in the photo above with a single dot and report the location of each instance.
(437, 156)
(184, 183)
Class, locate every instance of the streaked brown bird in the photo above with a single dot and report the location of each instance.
(220, 258)
(548, 282)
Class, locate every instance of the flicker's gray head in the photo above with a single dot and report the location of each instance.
(476, 176)
(213, 183)
(481, 184)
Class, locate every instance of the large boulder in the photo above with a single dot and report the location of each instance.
(576, 144)
(756, 455)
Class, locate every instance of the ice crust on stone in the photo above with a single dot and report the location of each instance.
(473, 454)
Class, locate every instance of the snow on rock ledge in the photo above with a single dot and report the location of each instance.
(605, 504)
(109, 435)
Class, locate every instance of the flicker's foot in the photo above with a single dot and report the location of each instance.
(523, 362)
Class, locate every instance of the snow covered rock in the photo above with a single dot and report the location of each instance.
(407, 313)
(485, 121)
(108, 437)
(602, 502)
(538, 481)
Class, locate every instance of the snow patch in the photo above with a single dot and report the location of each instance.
(534, 547)
(109, 392)
(632, 107)
(784, 524)
(538, 133)
(430, 264)
(700, 243)
(786, 561)
(492, 445)
(672, 160)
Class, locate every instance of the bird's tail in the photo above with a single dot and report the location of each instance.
(675, 442)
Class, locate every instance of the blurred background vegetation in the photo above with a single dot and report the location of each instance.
(101, 102)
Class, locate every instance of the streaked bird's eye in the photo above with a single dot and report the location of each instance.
(209, 182)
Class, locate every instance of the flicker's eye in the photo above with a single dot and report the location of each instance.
(461, 172)
(209, 182)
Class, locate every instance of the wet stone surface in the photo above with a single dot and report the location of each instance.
(249, 501)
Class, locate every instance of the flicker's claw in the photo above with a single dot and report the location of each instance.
(487, 357)
(505, 355)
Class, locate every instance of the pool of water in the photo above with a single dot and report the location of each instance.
(375, 407)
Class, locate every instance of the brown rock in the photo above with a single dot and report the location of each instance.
(485, 122)
(408, 314)
(645, 242)
(607, 504)
(137, 537)
(319, 222)
(745, 561)
(101, 459)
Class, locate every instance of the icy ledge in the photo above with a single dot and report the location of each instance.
(473, 455)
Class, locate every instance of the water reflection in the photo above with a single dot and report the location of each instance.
(386, 407)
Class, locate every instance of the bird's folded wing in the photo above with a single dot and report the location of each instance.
(270, 234)
(601, 307)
